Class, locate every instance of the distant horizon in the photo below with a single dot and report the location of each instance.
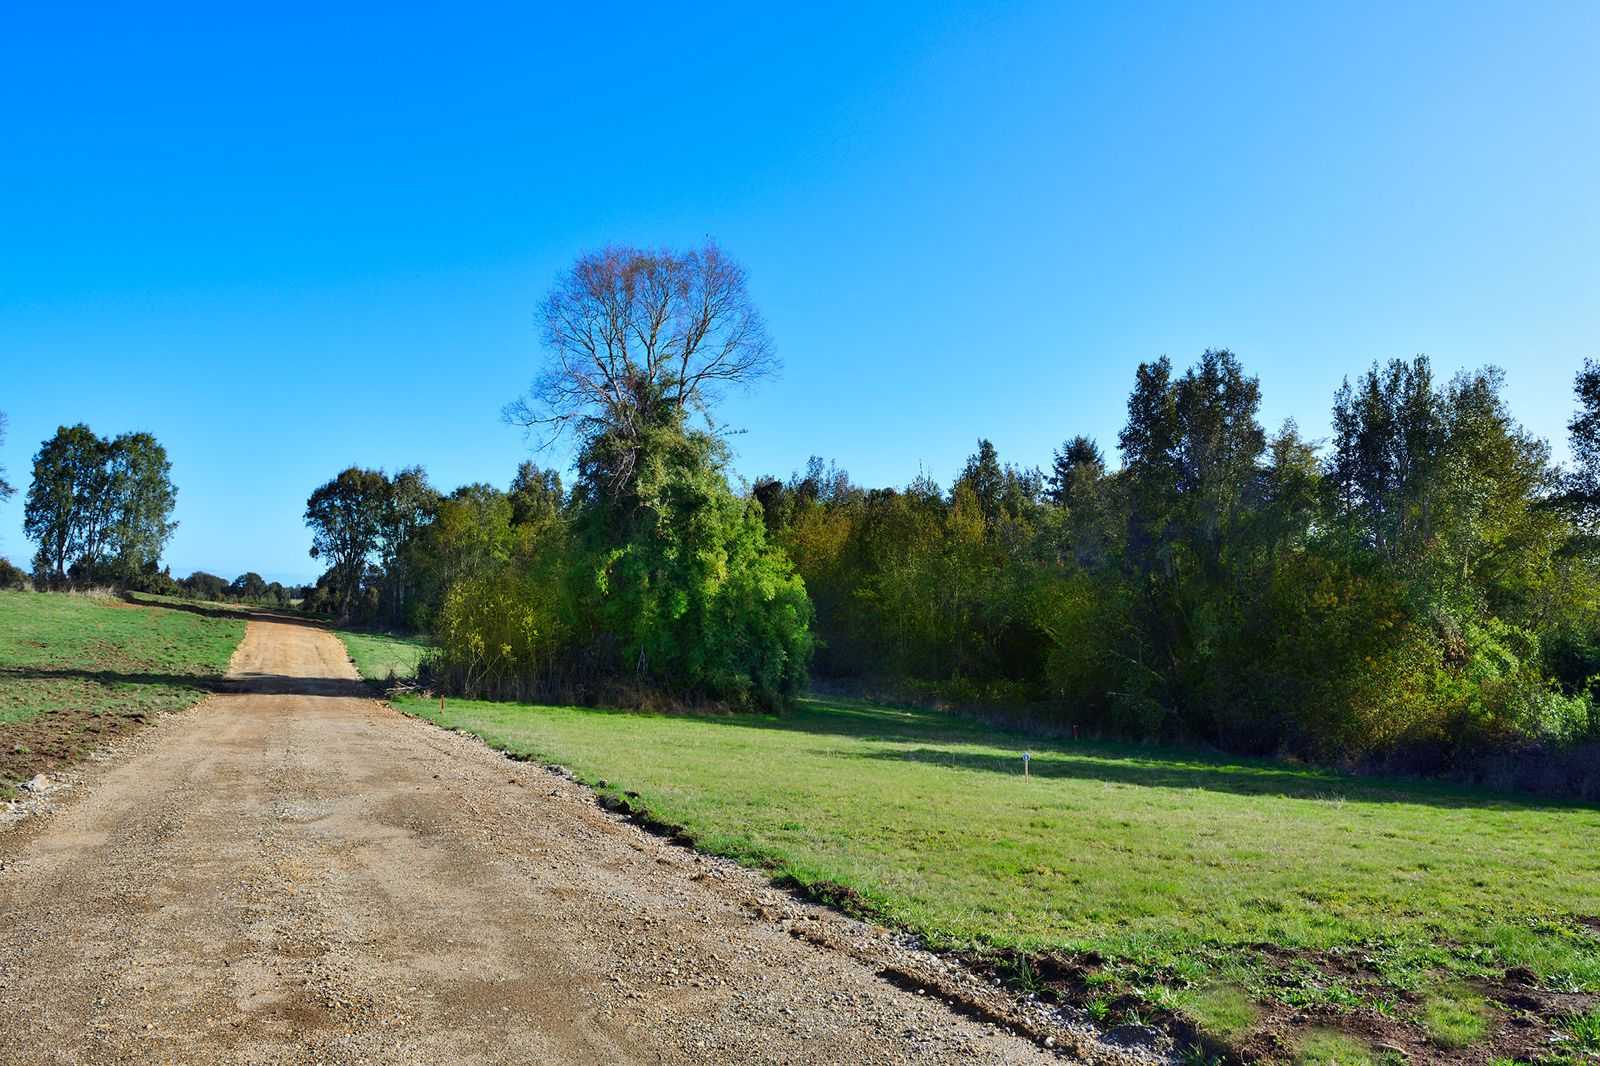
(286, 253)
(559, 456)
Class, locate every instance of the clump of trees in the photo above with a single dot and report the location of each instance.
(99, 510)
(1426, 582)
(1430, 584)
(249, 587)
(651, 575)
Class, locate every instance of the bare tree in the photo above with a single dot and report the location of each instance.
(633, 335)
(6, 488)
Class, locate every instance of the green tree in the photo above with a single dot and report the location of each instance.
(64, 501)
(684, 580)
(985, 479)
(97, 509)
(1388, 434)
(141, 486)
(204, 586)
(248, 586)
(1077, 461)
(536, 496)
(408, 506)
(345, 516)
(1582, 489)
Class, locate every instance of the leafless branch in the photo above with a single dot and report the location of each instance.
(630, 334)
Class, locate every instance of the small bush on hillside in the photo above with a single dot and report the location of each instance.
(12, 577)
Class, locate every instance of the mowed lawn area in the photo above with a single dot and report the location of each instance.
(1237, 893)
(76, 670)
(383, 656)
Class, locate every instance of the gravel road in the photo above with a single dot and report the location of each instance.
(294, 872)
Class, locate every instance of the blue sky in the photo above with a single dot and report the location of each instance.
(292, 238)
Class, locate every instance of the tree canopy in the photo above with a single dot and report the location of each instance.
(636, 338)
(98, 510)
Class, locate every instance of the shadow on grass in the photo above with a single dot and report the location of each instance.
(251, 684)
(1150, 771)
(1148, 767)
(247, 612)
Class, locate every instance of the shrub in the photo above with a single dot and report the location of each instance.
(12, 577)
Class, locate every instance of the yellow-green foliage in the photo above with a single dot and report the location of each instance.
(682, 576)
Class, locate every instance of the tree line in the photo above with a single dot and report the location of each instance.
(1427, 582)
(1430, 583)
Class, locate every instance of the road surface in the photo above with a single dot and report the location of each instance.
(294, 872)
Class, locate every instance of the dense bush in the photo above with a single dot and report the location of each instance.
(1426, 585)
(667, 586)
(682, 579)
(11, 576)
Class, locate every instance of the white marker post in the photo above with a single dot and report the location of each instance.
(1027, 757)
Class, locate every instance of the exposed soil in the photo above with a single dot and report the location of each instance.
(1523, 1018)
(297, 873)
(56, 739)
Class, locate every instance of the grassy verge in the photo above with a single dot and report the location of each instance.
(1239, 895)
(75, 670)
(384, 656)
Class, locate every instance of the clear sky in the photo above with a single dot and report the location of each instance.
(289, 238)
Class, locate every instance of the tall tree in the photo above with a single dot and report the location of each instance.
(67, 516)
(1076, 459)
(1583, 482)
(1388, 435)
(98, 509)
(409, 504)
(637, 339)
(248, 586)
(986, 479)
(141, 485)
(345, 516)
(536, 495)
(1219, 447)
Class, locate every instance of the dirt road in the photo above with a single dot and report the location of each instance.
(296, 873)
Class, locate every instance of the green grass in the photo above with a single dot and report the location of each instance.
(1225, 1011)
(1325, 1047)
(89, 658)
(1584, 1029)
(382, 656)
(1169, 864)
(1455, 1017)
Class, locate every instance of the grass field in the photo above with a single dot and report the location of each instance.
(384, 656)
(75, 670)
(1238, 894)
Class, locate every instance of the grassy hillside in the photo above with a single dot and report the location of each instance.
(75, 670)
(381, 656)
(1391, 907)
